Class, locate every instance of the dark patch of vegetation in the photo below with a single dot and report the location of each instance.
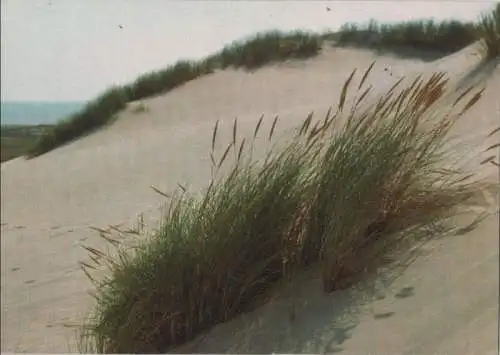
(346, 191)
(430, 36)
(424, 38)
(161, 81)
(267, 48)
(429, 39)
(95, 114)
(17, 140)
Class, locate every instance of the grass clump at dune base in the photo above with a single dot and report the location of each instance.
(348, 189)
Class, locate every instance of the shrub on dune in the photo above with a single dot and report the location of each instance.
(342, 194)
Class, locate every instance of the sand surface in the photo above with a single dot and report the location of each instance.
(447, 301)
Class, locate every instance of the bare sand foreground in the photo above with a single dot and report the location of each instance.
(446, 302)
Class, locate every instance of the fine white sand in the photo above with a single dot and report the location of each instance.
(447, 301)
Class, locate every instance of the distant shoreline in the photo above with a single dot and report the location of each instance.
(37, 112)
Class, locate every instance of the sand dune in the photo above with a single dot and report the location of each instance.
(447, 301)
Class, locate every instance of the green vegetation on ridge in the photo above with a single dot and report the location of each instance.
(489, 30)
(248, 54)
(443, 37)
(347, 190)
(439, 37)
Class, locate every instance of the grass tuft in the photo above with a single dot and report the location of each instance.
(161, 81)
(489, 30)
(141, 107)
(345, 191)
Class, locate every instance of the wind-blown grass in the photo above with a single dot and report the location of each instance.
(251, 53)
(344, 192)
(489, 29)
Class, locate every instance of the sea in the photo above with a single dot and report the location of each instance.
(34, 113)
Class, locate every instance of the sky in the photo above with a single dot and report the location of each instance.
(72, 50)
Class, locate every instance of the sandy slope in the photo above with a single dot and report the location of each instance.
(48, 204)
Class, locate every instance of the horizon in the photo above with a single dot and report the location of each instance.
(44, 102)
(71, 51)
(34, 113)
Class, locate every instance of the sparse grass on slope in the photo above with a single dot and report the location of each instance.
(249, 54)
(489, 29)
(337, 195)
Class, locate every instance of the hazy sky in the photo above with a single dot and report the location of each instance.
(57, 50)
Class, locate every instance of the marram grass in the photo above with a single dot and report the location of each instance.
(443, 37)
(489, 29)
(341, 195)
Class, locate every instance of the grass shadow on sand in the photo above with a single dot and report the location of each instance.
(480, 73)
(322, 324)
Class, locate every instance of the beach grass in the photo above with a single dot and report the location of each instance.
(424, 36)
(346, 190)
(269, 47)
(489, 29)
(443, 37)
(94, 115)
(251, 53)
